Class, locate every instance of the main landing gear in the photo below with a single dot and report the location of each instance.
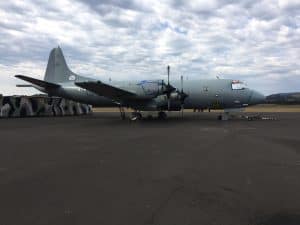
(162, 115)
(136, 116)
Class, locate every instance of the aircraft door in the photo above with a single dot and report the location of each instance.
(218, 101)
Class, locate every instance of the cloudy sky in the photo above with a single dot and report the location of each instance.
(257, 41)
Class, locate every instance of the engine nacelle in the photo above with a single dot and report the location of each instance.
(175, 96)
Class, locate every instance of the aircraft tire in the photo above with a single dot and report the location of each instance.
(162, 115)
(136, 116)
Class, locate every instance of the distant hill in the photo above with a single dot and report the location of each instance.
(284, 98)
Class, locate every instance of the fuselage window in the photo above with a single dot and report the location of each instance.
(238, 85)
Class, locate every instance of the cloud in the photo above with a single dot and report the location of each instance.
(289, 4)
(252, 40)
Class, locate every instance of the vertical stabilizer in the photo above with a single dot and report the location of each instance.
(57, 69)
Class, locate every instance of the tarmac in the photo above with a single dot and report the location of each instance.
(98, 169)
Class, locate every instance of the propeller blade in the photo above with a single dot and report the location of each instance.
(168, 68)
(168, 89)
(181, 79)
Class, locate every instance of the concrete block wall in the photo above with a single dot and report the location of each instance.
(27, 106)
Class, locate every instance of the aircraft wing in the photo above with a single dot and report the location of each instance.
(106, 90)
(38, 82)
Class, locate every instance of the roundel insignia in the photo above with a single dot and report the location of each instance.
(72, 78)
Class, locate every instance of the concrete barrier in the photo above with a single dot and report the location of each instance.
(57, 111)
(5, 111)
(26, 106)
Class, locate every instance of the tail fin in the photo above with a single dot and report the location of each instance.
(57, 69)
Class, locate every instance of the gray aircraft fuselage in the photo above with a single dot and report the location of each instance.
(205, 93)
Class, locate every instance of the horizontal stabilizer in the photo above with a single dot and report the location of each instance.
(106, 90)
(38, 82)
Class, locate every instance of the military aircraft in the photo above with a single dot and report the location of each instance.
(143, 95)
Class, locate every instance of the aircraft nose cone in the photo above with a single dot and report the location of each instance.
(257, 98)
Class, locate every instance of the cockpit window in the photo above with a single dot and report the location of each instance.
(151, 87)
(238, 85)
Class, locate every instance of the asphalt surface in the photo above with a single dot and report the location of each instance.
(197, 170)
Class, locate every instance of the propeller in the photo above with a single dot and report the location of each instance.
(183, 96)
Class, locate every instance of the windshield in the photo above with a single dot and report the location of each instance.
(238, 85)
(151, 87)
